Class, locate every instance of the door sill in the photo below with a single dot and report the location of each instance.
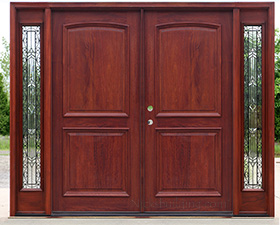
(144, 214)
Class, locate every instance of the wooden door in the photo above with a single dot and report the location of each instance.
(95, 111)
(188, 81)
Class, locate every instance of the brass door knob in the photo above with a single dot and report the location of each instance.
(150, 108)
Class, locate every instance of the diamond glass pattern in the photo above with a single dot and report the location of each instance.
(252, 107)
(31, 107)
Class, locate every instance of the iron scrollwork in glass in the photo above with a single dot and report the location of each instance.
(31, 107)
(253, 107)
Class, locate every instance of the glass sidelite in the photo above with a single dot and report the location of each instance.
(31, 107)
(253, 107)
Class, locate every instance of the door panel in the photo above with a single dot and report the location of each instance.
(96, 111)
(95, 87)
(188, 162)
(188, 46)
(188, 77)
(102, 152)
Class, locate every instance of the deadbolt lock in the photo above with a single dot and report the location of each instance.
(150, 122)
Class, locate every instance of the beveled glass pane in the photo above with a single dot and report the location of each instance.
(252, 107)
(31, 107)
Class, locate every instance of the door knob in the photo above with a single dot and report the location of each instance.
(150, 108)
(150, 122)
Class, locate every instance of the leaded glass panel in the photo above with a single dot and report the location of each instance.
(252, 107)
(31, 107)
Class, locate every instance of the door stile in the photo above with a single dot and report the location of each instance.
(13, 110)
(47, 110)
(237, 144)
(269, 89)
(142, 110)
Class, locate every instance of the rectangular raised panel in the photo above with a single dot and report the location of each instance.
(188, 70)
(95, 70)
(189, 162)
(96, 162)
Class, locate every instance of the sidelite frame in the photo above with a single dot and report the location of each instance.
(115, 126)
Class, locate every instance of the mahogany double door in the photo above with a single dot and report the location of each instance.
(108, 67)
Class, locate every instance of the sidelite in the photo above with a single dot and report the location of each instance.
(252, 107)
(31, 107)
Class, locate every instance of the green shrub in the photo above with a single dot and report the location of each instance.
(4, 89)
(4, 143)
(4, 109)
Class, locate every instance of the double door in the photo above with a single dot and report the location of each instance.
(142, 111)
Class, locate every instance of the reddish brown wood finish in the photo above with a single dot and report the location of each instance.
(188, 162)
(178, 47)
(255, 201)
(48, 111)
(188, 148)
(144, 5)
(13, 111)
(144, 34)
(83, 95)
(31, 200)
(96, 160)
(269, 119)
(237, 112)
(105, 154)
(142, 108)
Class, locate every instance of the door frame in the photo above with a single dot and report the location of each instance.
(25, 201)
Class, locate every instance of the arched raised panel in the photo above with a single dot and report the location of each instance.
(95, 70)
(188, 70)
